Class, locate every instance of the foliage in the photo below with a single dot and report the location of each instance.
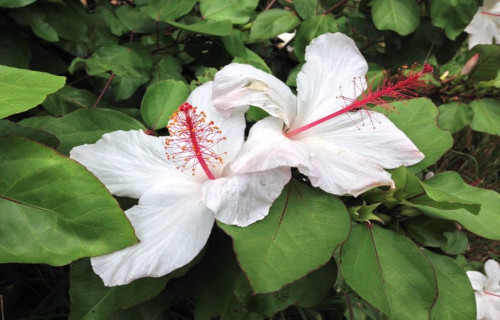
(70, 72)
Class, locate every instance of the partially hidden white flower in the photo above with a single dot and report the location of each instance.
(485, 25)
(179, 200)
(487, 291)
(344, 155)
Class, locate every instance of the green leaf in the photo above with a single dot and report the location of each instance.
(87, 126)
(486, 116)
(306, 8)
(271, 23)
(161, 100)
(163, 10)
(389, 271)
(66, 19)
(279, 249)
(429, 231)
(8, 128)
(54, 210)
(133, 61)
(456, 297)
(15, 3)
(417, 119)
(21, 89)
(485, 224)
(168, 67)
(456, 242)
(488, 63)
(236, 11)
(236, 47)
(306, 293)
(92, 300)
(452, 15)
(38, 22)
(135, 20)
(69, 99)
(210, 27)
(402, 16)
(310, 29)
(454, 116)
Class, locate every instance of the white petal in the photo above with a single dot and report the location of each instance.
(333, 61)
(481, 307)
(482, 29)
(267, 148)
(492, 269)
(241, 85)
(127, 162)
(339, 171)
(172, 224)
(372, 136)
(491, 307)
(477, 279)
(243, 199)
(233, 127)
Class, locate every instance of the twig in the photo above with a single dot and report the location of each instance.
(106, 86)
(269, 5)
(335, 6)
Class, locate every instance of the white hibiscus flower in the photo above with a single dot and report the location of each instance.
(485, 26)
(183, 184)
(487, 291)
(341, 152)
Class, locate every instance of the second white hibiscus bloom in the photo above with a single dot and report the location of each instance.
(345, 154)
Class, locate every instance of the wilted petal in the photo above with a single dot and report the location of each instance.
(372, 136)
(333, 62)
(268, 148)
(243, 199)
(240, 85)
(128, 162)
(339, 171)
(172, 224)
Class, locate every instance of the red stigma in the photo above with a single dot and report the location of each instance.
(403, 85)
(192, 140)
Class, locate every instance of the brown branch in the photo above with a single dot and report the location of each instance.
(106, 86)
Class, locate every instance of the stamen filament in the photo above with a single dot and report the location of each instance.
(490, 14)
(399, 89)
(196, 147)
(492, 294)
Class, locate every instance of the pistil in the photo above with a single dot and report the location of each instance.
(399, 87)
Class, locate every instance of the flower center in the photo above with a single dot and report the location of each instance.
(399, 87)
(192, 140)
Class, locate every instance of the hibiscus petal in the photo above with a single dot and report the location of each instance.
(127, 162)
(492, 269)
(477, 279)
(267, 148)
(233, 128)
(240, 85)
(243, 199)
(339, 171)
(332, 63)
(482, 29)
(172, 224)
(372, 136)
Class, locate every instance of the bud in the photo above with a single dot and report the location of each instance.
(470, 64)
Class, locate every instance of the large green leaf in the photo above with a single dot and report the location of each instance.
(402, 16)
(311, 28)
(389, 271)
(300, 234)
(86, 126)
(485, 224)
(456, 297)
(417, 118)
(454, 116)
(486, 116)
(91, 300)
(271, 23)
(8, 128)
(161, 100)
(21, 89)
(54, 210)
(452, 15)
(163, 10)
(69, 99)
(236, 11)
